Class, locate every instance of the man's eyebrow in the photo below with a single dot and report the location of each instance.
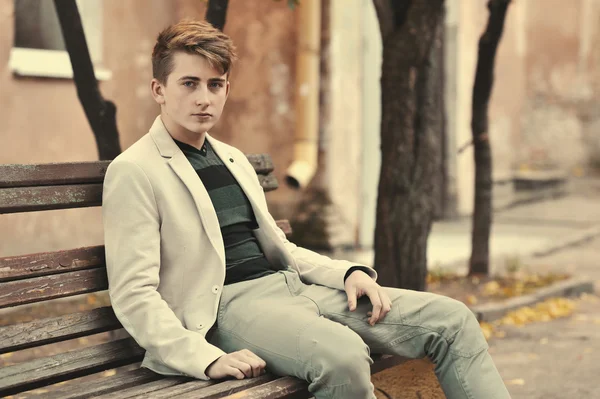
(217, 80)
(194, 78)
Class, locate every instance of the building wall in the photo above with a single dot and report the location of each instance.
(544, 105)
(44, 122)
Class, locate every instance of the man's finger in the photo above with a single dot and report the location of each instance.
(255, 356)
(255, 363)
(376, 301)
(234, 372)
(386, 304)
(351, 293)
(242, 366)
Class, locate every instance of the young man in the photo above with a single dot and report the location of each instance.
(204, 280)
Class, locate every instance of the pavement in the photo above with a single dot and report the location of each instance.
(556, 359)
(560, 358)
(517, 232)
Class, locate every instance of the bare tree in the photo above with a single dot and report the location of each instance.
(100, 113)
(411, 128)
(482, 89)
(216, 13)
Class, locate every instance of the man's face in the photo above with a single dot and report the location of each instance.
(193, 97)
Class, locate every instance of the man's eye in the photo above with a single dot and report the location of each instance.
(189, 83)
(216, 85)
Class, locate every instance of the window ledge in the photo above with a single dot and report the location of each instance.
(46, 64)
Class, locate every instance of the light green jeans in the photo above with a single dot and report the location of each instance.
(308, 332)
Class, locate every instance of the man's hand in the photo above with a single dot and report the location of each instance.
(360, 283)
(240, 364)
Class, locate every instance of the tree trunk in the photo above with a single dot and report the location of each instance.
(216, 13)
(411, 125)
(484, 80)
(101, 114)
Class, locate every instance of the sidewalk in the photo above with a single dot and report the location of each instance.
(557, 359)
(518, 231)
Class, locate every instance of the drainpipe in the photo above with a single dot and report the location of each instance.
(308, 24)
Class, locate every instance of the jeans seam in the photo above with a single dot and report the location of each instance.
(449, 340)
(460, 378)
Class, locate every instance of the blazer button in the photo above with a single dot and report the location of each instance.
(199, 326)
(231, 160)
(215, 289)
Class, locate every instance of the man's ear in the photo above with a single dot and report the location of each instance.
(228, 86)
(157, 91)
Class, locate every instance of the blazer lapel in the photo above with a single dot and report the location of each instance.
(182, 167)
(237, 171)
(184, 170)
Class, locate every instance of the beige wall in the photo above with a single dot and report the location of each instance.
(543, 110)
(44, 122)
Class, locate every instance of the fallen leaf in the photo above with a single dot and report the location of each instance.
(487, 329)
(516, 381)
(109, 373)
(500, 334)
(543, 341)
(6, 355)
(471, 299)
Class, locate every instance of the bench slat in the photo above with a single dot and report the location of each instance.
(45, 331)
(65, 366)
(43, 198)
(208, 389)
(262, 163)
(146, 390)
(285, 387)
(39, 289)
(384, 362)
(52, 174)
(46, 263)
(49, 174)
(28, 199)
(268, 182)
(104, 385)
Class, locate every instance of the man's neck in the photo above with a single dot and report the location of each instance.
(179, 133)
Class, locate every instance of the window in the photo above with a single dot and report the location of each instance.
(39, 49)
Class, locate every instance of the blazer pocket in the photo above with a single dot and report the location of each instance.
(192, 317)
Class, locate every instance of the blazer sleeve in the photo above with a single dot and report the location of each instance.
(132, 241)
(313, 267)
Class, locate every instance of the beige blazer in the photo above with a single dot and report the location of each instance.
(164, 250)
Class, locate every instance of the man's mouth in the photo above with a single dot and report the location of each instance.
(202, 115)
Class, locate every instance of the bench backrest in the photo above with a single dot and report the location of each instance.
(27, 279)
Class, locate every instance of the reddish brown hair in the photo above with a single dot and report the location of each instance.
(192, 37)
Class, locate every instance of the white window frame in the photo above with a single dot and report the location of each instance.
(56, 63)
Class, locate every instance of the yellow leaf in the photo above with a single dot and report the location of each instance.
(109, 373)
(487, 329)
(471, 299)
(491, 288)
(500, 334)
(516, 381)
(91, 299)
(6, 355)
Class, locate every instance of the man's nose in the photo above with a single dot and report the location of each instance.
(202, 96)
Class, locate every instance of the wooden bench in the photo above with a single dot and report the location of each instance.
(108, 368)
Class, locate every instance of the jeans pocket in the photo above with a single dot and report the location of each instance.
(293, 282)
